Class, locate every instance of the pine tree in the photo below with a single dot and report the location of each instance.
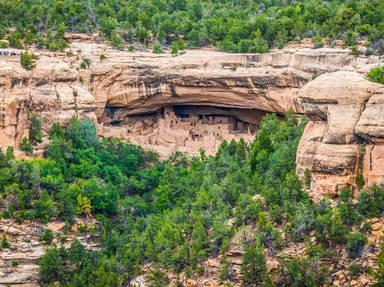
(253, 268)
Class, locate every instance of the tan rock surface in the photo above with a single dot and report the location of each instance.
(347, 107)
(371, 123)
(26, 248)
(52, 89)
(373, 164)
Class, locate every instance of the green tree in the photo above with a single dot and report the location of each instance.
(304, 272)
(355, 244)
(108, 24)
(35, 133)
(84, 206)
(338, 230)
(15, 41)
(52, 266)
(157, 49)
(254, 268)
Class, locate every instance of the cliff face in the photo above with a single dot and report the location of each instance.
(128, 93)
(343, 138)
(52, 89)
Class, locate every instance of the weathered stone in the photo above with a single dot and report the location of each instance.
(340, 121)
(308, 146)
(371, 123)
(272, 265)
(338, 88)
(373, 164)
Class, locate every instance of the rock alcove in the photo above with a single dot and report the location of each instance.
(184, 127)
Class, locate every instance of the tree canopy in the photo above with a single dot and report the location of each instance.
(231, 25)
(176, 213)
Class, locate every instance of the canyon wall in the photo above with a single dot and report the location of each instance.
(126, 94)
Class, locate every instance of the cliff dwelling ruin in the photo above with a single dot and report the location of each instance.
(185, 128)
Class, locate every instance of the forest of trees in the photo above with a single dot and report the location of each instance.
(231, 25)
(175, 213)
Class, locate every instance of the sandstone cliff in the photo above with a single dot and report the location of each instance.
(342, 140)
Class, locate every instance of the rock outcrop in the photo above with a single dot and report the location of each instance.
(18, 263)
(126, 94)
(343, 133)
(52, 89)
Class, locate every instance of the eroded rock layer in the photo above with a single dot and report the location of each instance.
(210, 96)
(343, 138)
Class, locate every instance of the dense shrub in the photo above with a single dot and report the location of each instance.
(376, 75)
(157, 49)
(27, 60)
(177, 46)
(305, 272)
(4, 44)
(47, 236)
(4, 242)
(371, 201)
(355, 244)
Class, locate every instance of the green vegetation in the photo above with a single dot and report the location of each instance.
(35, 134)
(355, 270)
(177, 47)
(26, 146)
(379, 275)
(4, 242)
(234, 26)
(27, 60)
(304, 272)
(102, 57)
(355, 244)
(85, 63)
(14, 263)
(176, 213)
(4, 44)
(253, 268)
(376, 75)
(47, 236)
(318, 41)
(157, 278)
(157, 49)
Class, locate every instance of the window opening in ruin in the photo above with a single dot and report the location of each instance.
(115, 123)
